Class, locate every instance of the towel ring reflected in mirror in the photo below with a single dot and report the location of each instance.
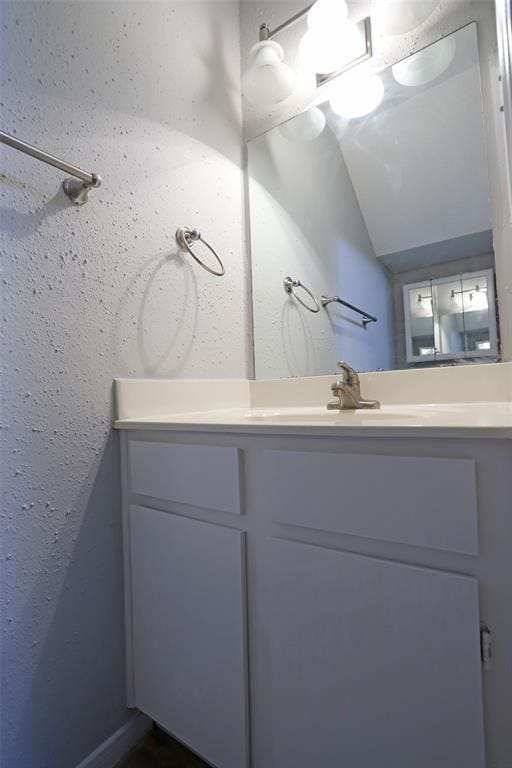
(185, 237)
(290, 284)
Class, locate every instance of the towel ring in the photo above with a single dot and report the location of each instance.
(289, 284)
(186, 236)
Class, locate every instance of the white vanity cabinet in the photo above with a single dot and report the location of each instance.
(324, 595)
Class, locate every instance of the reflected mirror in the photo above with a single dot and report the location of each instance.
(371, 237)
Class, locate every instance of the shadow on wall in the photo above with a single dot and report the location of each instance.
(160, 278)
(297, 341)
(87, 558)
(222, 92)
(20, 225)
(126, 27)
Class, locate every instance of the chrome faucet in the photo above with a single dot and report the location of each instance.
(348, 392)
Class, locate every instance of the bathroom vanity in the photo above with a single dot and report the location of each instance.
(308, 588)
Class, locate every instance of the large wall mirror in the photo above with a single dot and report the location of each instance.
(371, 235)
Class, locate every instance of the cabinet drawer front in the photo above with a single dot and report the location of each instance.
(200, 475)
(425, 502)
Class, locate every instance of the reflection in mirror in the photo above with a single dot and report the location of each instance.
(388, 211)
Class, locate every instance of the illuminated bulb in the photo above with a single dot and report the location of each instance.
(397, 17)
(267, 79)
(426, 65)
(330, 50)
(305, 127)
(422, 307)
(357, 95)
(477, 300)
(326, 14)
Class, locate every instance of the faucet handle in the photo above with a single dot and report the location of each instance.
(352, 377)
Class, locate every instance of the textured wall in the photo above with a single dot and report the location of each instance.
(147, 95)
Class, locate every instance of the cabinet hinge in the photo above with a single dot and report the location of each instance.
(486, 646)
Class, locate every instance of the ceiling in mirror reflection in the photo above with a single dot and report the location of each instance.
(418, 164)
(360, 206)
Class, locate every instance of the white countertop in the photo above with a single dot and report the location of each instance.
(462, 401)
(437, 420)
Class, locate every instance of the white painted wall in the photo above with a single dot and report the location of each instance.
(147, 95)
(306, 222)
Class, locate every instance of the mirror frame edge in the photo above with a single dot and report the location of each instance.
(503, 234)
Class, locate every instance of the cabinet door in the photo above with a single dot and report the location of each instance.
(189, 645)
(365, 663)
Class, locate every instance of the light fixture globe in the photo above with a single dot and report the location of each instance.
(357, 95)
(398, 17)
(307, 126)
(331, 50)
(426, 65)
(326, 14)
(267, 80)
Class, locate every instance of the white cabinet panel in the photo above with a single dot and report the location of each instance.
(189, 645)
(426, 502)
(201, 475)
(365, 663)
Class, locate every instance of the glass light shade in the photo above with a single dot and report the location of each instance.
(426, 65)
(477, 301)
(397, 17)
(420, 304)
(267, 79)
(305, 127)
(327, 13)
(330, 50)
(357, 95)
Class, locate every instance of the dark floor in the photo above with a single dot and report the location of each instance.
(158, 750)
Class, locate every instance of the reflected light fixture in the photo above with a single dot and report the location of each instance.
(307, 126)
(422, 307)
(477, 298)
(356, 95)
(426, 65)
(330, 46)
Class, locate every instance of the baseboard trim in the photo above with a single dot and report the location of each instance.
(116, 746)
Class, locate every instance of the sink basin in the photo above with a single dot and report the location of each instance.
(321, 415)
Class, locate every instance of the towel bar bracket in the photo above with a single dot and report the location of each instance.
(78, 191)
(77, 188)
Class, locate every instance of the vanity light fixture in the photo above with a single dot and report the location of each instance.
(422, 307)
(357, 94)
(268, 80)
(331, 40)
(307, 126)
(398, 17)
(477, 297)
(425, 65)
(331, 45)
